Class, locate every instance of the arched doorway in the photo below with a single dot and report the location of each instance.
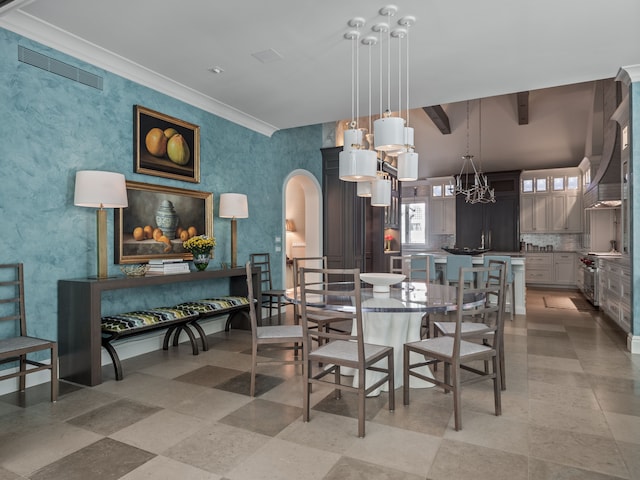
(302, 206)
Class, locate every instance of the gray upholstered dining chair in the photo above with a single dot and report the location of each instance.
(271, 297)
(18, 345)
(476, 328)
(458, 354)
(336, 351)
(323, 319)
(281, 337)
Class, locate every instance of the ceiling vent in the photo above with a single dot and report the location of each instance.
(52, 65)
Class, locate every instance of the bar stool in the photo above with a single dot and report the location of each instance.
(423, 267)
(453, 266)
(510, 291)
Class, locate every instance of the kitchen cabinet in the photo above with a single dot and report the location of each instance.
(565, 213)
(552, 269)
(533, 213)
(614, 290)
(442, 216)
(564, 268)
(353, 230)
(539, 268)
(344, 216)
(496, 222)
(551, 201)
(392, 212)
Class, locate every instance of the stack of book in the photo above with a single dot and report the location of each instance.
(167, 266)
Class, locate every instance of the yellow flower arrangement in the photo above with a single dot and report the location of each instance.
(199, 244)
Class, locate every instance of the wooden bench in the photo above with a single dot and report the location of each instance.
(175, 319)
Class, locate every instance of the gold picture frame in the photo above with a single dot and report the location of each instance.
(154, 206)
(158, 153)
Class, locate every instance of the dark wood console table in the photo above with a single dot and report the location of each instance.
(80, 308)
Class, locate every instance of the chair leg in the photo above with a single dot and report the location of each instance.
(361, 400)
(457, 397)
(254, 360)
(392, 384)
(54, 372)
(23, 378)
(405, 375)
(306, 391)
(497, 388)
(513, 299)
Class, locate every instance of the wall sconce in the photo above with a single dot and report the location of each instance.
(290, 225)
(233, 205)
(100, 190)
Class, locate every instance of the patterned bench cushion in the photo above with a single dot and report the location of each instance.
(144, 318)
(208, 306)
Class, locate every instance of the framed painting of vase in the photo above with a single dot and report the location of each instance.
(157, 221)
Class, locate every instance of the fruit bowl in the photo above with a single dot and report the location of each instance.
(382, 281)
(135, 270)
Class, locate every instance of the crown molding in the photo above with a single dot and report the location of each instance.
(28, 26)
(629, 74)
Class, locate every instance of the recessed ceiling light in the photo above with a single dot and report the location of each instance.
(216, 70)
(268, 56)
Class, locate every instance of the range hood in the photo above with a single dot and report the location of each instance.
(604, 191)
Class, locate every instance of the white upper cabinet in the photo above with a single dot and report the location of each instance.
(551, 201)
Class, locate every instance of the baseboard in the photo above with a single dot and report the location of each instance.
(126, 348)
(138, 345)
(633, 343)
(11, 384)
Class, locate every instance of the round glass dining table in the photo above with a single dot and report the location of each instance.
(394, 318)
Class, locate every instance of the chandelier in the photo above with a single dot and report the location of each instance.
(391, 134)
(471, 182)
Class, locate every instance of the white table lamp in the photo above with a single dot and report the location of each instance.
(100, 190)
(233, 205)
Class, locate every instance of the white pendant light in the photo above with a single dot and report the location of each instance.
(363, 189)
(357, 165)
(408, 166)
(388, 134)
(381, 192)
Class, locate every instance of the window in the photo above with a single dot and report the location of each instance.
(448, 190)
(436, 191)
(527, 185)
(541, 184)
(413, 222)
(572, 182)
(558, 184)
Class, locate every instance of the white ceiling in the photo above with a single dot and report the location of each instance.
(462, 49)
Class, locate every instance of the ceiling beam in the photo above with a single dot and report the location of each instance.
(438, 116)
(523, 108)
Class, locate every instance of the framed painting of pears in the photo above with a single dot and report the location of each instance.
(165, 146)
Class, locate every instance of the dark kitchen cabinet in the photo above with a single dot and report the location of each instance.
(497, 221)
(353, 230)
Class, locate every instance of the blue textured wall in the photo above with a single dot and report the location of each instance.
(51, 127)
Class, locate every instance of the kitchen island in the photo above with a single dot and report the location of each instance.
(517, 265)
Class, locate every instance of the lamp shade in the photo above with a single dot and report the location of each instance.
(95, 188)
(381, 192)
(233, 205)
(408, 166)
(388, 133)
(363, 189)
(290, 225)
(357, 165)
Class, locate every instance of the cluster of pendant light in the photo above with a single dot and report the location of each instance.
(391, 135)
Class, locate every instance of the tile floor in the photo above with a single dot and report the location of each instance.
(571, 411)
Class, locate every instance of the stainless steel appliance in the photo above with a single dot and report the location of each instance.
(587, 278)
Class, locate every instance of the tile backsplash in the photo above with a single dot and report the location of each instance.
(559, 241)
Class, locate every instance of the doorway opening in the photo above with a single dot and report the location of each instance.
(302, 211)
